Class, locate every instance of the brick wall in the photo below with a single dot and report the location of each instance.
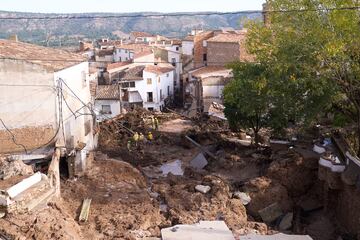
(219, 54)
(199, 49)
(30, 137)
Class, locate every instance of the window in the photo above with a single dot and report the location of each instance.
(177, 48)
(158, 79)
(127, 58)
(126, 51)
(128, 85)
(204, 43)
(106, 109)
(168, 90)
(204, 57)
(167, 75)
(149, 81)
(151, 109)
(173, 62)
(150, 97)
(161, 96)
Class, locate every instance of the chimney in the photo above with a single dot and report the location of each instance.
(14, 37)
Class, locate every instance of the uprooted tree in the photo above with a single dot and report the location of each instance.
(312, 57)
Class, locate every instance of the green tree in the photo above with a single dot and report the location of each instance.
(311, 53)
(247, 98)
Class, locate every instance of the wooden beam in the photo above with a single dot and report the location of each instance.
(85, 209)
(201, 148)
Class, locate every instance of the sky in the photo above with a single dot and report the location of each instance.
(127, 6)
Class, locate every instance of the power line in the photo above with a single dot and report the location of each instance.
(71, 17)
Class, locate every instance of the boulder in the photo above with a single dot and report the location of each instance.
(203, 189)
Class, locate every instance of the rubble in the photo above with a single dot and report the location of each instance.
(244, 197)
(10, 168)
(270, 213)
(286, 222)
(203, 189)
(199, 162)
(173, 168)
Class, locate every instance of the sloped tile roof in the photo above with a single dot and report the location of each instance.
(141, 34)
(158, 69)
(228, 38)
(211, 70)
(118, 64)
(52, 59)
(133, 73)
(107, 92)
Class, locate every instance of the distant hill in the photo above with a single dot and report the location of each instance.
(67, 32)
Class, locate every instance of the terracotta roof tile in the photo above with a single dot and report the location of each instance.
(228, 37)
(143, 53)
(107, 92)
(158, 69)
(189, 38)
(118, 64)
(52, 59)
(141, 34)
(133, 73)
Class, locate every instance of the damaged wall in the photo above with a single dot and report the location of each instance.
(27, 99)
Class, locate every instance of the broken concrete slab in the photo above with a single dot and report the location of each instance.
(271, 213)
(244, 197)
(173, 167)
(203, 189)
(24, 184)
(286, 222)
(205, 230)
(279, 236)
(199, 162)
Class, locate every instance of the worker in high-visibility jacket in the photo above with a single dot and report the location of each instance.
(150, 136)
(136, 138)
(141, 137)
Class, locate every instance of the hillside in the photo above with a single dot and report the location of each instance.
(69, 31)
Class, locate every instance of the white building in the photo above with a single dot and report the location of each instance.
(157, 86)
(188, 45)
(107, 101)
(123, 54)
(147, 86)
(45, 101)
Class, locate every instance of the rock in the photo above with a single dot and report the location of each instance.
(203, 189)
(199, 162)
(286, 222)
(244, 197)
(271, 213)
(2, 214)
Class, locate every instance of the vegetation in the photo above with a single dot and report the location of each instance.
(312, 60)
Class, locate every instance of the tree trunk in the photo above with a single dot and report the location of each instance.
(256, 137)
(358, 133)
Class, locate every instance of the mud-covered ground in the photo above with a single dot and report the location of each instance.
(131, 199)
